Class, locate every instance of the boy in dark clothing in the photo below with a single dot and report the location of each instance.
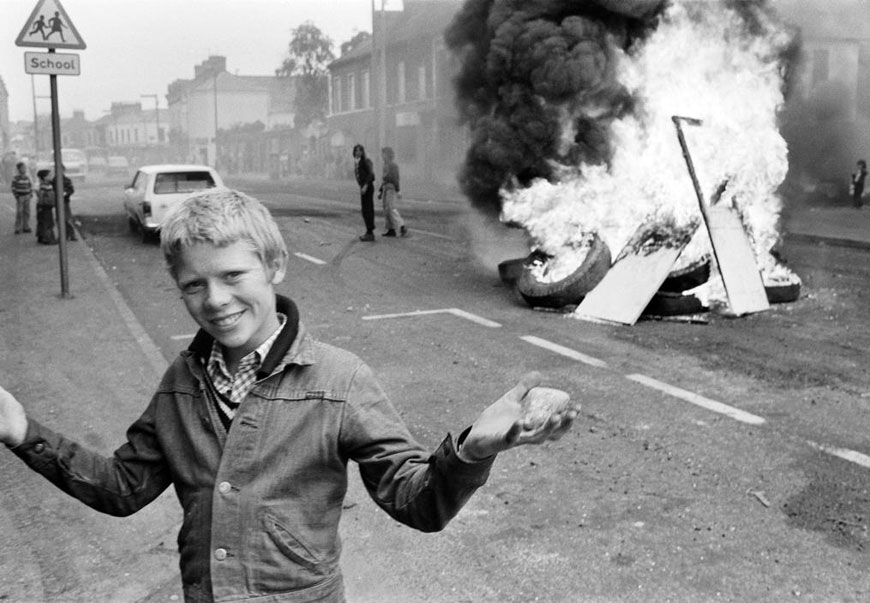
(45, 207)
(390, 194)
(22, 188)
(255, 422)
(857, 184)
(68, 190)
(364, 172)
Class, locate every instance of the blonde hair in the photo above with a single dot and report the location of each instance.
(220, 217)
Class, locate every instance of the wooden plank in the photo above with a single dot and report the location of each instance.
(638, 272)
(736, 261)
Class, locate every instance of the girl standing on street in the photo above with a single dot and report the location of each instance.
(390, 193)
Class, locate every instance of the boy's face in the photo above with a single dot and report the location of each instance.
(22, 169)
(230, 293)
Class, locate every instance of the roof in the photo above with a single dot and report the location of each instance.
(421, 20)
(173, 167)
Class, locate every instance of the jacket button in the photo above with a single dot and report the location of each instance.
(220, 554)
(224, 487)
(39, 447)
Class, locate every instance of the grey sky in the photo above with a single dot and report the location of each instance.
(137, 47)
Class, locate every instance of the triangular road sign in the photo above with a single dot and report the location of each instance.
(49, 27)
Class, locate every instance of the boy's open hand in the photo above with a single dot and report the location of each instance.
(505, 423)
(13, 420)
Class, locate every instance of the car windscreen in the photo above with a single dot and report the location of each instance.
(182, 182)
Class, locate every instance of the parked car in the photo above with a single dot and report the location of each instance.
(117, 164)
(75, 163)
(155, 189)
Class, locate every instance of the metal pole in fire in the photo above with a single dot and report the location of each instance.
(692, 121)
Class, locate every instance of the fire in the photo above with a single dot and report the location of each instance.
(703, 60)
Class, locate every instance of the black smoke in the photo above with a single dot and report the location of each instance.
(529, 67)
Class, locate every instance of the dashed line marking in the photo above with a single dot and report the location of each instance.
(843, 453)
(454, 311)
(181, 337)
(567, 352)
(693, 398)
(310, 258)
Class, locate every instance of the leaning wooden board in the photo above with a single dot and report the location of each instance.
(638, 272)
(736, 261)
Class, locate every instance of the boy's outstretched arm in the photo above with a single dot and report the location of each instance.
(507, 422)
(13, 420)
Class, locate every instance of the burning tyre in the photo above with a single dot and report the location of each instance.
(692, 275)
(509, 271)
(544, 284)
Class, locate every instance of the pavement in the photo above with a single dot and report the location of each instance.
(46, 338)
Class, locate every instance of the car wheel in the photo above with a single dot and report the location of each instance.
(148, 236)
(785, 293)
(571, 289)
(665, 303)
(695, 274)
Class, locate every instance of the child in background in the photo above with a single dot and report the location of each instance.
(45, 210)
(22, 188)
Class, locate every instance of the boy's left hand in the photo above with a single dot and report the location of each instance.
(502, 425)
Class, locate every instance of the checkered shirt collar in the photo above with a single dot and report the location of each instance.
(236, 387)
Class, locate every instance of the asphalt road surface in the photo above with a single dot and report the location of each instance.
(711, 462)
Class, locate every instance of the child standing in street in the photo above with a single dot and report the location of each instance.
(254, 424)
(45, 207)
(857, 184)
(22, 188)
(389, 193)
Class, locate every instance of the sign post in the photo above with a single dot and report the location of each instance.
(53, 32)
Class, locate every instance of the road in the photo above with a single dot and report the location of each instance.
(712, 462)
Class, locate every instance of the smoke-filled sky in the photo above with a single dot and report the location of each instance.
(137, 47)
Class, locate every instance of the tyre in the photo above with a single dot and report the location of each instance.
(784, 293)
(571, 289)
(695, 274)
(509, 270)
(673, 304)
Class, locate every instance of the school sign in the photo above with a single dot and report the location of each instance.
(50, 27)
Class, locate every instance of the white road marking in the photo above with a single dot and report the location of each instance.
(309, 258)
(713, 405)
(568, 352)
(180, 337)
(843, 453)
(454, 311)
(431, 234)
(473, 318)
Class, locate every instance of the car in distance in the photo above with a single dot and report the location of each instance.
(155, 189)
(75, 163)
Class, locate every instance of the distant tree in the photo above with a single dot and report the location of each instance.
(356, 41)
(308, 54)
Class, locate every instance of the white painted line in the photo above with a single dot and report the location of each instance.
(432, 234)
(844, 453)
(473, 318)
(454, 311)
(309, 258)
(403, 314)
(568, 352)
(729, 411)
(180, 337)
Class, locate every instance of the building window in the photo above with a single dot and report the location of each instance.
(400, 78)
(336, 94)
(821, 66)
(366, 90)
(351, 92)
(421, 82)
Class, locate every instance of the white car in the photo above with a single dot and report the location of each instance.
(157, 188)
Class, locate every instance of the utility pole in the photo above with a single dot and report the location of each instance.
(156, 112)
(215, 120)
(379, 67)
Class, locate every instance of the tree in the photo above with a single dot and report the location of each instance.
(309, 52)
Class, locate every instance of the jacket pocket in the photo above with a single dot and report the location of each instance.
(291, 546)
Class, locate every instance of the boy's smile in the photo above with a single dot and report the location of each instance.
(230, 293)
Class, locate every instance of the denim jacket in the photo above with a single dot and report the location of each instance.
(262, 501)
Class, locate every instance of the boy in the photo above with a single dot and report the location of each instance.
(22, 188)
(254, 423)
(389, 193)
(45, 210)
